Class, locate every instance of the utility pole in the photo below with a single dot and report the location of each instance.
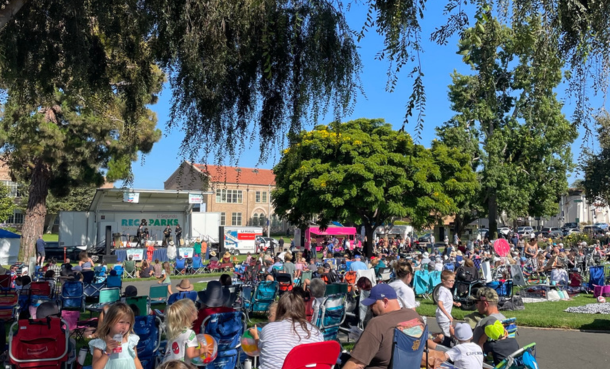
(269, 210)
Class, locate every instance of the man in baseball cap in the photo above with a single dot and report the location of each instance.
(357, 264)
(374, 347)
(486, 300)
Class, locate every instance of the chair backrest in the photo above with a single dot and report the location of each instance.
(336, 288)
(596, 276)
(421, 282)
(319, 355)
(109, 295)
(5, 281)
(119, 270)
(331, 315)
(147, 328)
(264, 295)
(227, 329)
(524, 358)
(130, 266)
(197, 262)
(114, 281)
(71, 318)
(158, 292)
(180, 263)
(306, 275)
(72, 294)
(182, 295)
(510, 325)
(407, 350)
(8, 301)
(40, 288)
(30, 348)
(141, 302)
(88, 276)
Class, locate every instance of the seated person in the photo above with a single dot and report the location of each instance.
(289, 329)
(157, 268)
(374, 347)
(225, 280)
(498, 344)
(213, 256)
(66, 269)
(130, 264)
(145, 270)
(269, 278)
(317, 289)
(465, 355)
(214, 299)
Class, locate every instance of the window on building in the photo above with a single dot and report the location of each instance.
(236, 219)
(258, 197)
(16, 218)
(229, 196)
(12, 188)
(254, 220)
(223, 219)
(262, 221)
(264, 197)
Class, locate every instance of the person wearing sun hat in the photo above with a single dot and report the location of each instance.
(465, 355)
(184, 285)
(213, 256)
(214, 299)
(226, 258)
(498, 344)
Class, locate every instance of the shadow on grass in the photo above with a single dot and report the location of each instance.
(597, 326)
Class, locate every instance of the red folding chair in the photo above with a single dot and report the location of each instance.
(319, 355)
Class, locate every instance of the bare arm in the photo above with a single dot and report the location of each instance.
(137, 359)
(440, 305)
(353, 364)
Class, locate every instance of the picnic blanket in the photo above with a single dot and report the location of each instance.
(596, 308)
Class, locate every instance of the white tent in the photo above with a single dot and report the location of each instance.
(9, 247)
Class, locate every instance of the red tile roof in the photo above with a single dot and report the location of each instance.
(243, 176)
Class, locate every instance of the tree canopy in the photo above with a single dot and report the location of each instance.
(7, 203)
(365, 172)
(596, 165)
(243, 68)
(509, 120)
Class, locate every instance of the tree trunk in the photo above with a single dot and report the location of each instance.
(33, 224)
(51, 223)
(492, 204)
(370, 240)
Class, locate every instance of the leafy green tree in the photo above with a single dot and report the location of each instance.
(267, 65)
(509, 120)
(7, 203)
(365, 172)
(596, 165)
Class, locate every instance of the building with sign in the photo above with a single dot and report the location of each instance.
(241, 195)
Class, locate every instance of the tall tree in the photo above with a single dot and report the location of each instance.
(596, 165)
(7, 203)
(509, 119)
(242, 65)
(365, 172)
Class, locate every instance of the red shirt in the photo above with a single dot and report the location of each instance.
(206, 312)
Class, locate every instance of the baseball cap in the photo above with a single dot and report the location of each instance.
(532, 235)
(380, 292)
(357, 256)
(463, 332)
(495, 331)
(426, 254)
(486, 294)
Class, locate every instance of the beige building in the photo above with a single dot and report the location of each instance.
(241, 195)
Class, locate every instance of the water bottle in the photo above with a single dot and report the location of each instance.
(82, 355)
(119, 338)
(247, 364)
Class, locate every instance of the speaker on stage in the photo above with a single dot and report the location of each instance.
(221, 241)
(110, 259)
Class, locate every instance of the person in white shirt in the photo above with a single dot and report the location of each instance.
(445, 302)
(406, 296)
(466, 355)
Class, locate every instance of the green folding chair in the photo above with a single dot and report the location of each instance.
(157, 294)
(305, 275)
(109, 295)
(141, 302)
(336, 289)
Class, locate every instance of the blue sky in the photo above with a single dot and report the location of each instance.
(438, 63)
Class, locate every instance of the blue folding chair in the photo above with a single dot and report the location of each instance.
(227, 329)
(524, 358)
(264, 295)
(421, 283)
(73, 295)
(596, 276)
(114, 281)
(180, 267)
(331, 315)
(407, 350)
(119, 270)
(197, 267)
(182, 295)
(449, 267)
(148, 329)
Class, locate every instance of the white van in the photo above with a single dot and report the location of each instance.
(241, 240)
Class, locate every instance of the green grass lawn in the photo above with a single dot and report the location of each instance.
(542, 314)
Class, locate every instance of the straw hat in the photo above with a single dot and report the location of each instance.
(213, 253)
(226, 255)
(184, 285)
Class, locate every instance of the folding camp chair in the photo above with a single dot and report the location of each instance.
(182, 295)
(408, 350)
(264, 295)
(510, 325)
(148, 328)
(524, 358)
(213, 266)
(284, 281)
(227, 329)
(180, 266)
(421, 283)
(9, 303)
(319, 355)
(596, 277)
(107, 296)
(305, 275)
(197, 267)
(332, 311)
(129, 266)
(157, 294)
(114, 281)
(141, 302)
(72, 295)
(5, 282)
(92, 289)
(100, 274)
(119, 270)
(29, 345)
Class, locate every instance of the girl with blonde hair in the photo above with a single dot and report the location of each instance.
(182, 340)
(107, 351)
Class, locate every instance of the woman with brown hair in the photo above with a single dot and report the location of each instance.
(289, 329)
(404, 274)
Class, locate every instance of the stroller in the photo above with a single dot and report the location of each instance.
(39, 343)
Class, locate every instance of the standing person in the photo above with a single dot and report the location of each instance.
(178, 231)
(205, 249)
(182, 341)
(432, 242)
(197, 247)
(140, 235)
(167, 233)
(445, 303)
(40, 251)
(281, 243)
(110, 354)
(292, 246)
(456, 238)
